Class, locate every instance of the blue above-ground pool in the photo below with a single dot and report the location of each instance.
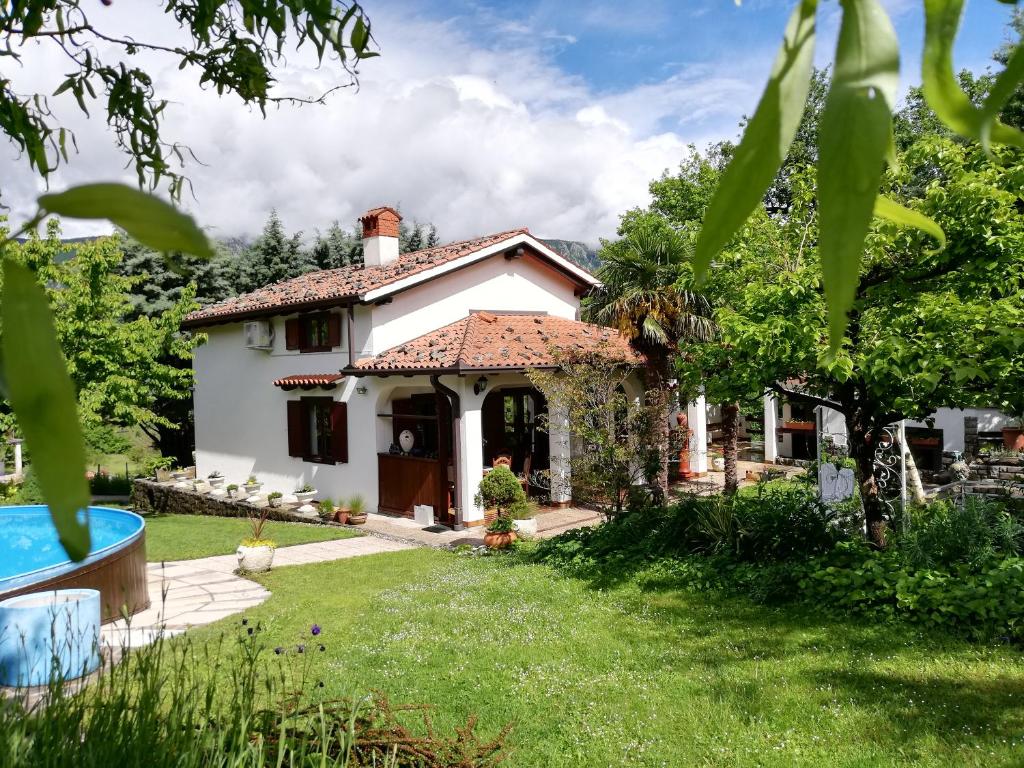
(32, 558)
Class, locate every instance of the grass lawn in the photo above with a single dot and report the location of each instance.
(184, 537)
(655, 677)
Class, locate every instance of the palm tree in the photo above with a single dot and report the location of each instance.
(644, 294)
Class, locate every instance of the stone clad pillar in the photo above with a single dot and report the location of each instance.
(697, 418)
(771, 423)
(560, 447)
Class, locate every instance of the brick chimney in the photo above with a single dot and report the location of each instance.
(380, 236)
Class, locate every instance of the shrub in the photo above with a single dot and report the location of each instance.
(307, 488)
(357, 505)
(945, 534)
(326, 508)
(102, 484)
(501, 524)
(500, 489)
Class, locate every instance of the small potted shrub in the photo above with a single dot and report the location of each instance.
(274, 498)
(252, 486)
(499, 490)
(232, 490)
(356, 510)
(500, 533)
(305, 495)
(326, 509)
(255, 553)
(215, 479)
(524, 518)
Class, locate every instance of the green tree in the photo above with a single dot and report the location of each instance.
(643, 294)
(120, 367)
(272, 257)
(928, 328)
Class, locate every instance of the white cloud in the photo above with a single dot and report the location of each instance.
(471, 138)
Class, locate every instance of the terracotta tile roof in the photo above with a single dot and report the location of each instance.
(341, 283)
(497, 340)
(309, 380)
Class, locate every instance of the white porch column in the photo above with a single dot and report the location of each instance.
(697, 418)
(560, 446)
(771, 422)
(471, 451)
(18, 468)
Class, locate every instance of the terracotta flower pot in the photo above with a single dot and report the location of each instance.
(1013, 438)
(494, 540)
(341, 516)
(357, 519)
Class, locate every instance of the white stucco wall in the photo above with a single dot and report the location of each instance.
(496, 283)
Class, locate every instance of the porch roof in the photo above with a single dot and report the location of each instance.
(500, 341)
(309, 380)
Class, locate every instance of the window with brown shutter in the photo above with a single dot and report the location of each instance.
(314, 333)
(318, 430)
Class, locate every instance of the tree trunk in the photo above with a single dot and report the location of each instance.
(914, 484)
(862, 451)
(730, 427)
(657, 396)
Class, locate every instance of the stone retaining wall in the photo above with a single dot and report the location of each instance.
(1006, 468)
(164, 498)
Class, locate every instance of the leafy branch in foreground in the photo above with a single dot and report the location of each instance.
(235, 46)
(855, 136)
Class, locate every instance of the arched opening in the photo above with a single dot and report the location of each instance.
(512, 428)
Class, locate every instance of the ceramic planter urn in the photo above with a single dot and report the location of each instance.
(255, 559)
(495, 540)
(526, 529)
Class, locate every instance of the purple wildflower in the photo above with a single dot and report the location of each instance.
(315, 630)
(279, 650)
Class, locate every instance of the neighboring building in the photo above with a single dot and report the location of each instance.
(400, 379)
(796, 427)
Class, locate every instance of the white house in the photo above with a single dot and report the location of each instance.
(399, 379)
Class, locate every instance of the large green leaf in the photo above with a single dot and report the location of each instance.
(145, 217)
(855, 137)
(765, 141)
(43, 398)
(942, 91)
(896, 213)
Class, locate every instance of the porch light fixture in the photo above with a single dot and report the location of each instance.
(480, 385)
(361, 389)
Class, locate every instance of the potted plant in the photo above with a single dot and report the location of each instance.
(305, 495)
(499, 490)
(326, 509)
(274, 498)
(232, 490)
(252, 486)
(357, 510)
(342, 512)
(500, 533)
(524, 518)
(215, 479)
(256, 554)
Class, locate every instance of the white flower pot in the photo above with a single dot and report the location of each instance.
(718, 464)
(215, 482)
(252, 491)
(275, 502)
(304, 500)
(527, 529)
(255, 559)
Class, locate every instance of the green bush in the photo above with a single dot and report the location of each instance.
(945, 534)
(500, 489)
(103, 484)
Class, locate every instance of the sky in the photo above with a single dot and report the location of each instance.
(477, 117)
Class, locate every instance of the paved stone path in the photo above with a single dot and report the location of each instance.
(191, 593)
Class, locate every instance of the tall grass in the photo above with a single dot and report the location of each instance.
(225, 704)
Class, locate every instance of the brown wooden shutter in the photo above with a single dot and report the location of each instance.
(298, 437)
(333, 330)
(339, 432)
(292, 333)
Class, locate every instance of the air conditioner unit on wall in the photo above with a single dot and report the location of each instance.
(259, 334)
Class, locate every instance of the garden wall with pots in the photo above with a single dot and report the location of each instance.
(163, 498)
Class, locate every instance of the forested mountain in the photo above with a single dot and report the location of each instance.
(576, 252)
